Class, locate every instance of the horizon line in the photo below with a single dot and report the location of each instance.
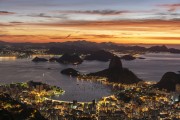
(92, 42)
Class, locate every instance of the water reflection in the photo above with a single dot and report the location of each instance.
(44, 56)
(8, 58)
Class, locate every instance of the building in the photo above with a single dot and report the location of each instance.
(178, 88)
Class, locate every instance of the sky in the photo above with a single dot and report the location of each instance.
(120, 21)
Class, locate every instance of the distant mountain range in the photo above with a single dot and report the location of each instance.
(84, 47)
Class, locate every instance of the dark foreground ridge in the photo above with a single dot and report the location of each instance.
(15, 110)
(169, 81)
(116, 73)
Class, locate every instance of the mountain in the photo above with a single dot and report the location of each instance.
(70, 47)
(128, 57)
(70, 71)
(169, 81)
(100, 55)
(115, 63)
(158, 49)
(53, 59)
(70, 59)
(82, 47)
(116, 73)
(37, 59)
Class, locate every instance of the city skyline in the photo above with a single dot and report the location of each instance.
(127, 22)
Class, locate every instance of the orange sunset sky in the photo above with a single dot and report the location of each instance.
(120, 21)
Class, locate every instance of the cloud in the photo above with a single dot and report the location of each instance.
(2, 32)
(62, 37)
(4, 25)
(15, 22)
(40, 15)
(100, 36)
(96, 12)
(44, 15)
(171, 7)
(25, 38)
(6, 13)
(12, 24)
(57, 38)
(130, 23)
(168, 15)
(164, 38)
(123, 25)
(6, 35)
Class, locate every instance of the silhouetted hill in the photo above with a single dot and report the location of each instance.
(169, 81)
(128, 57)
(158, 49)
(173, 50)
(37, 59)
(70, 59)
(100, 55)
(115, 63)
(73, 47)
(53, 59)
(70, 71)
(116, 73)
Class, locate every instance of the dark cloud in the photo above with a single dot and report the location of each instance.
(62, 37)
(57, 38)
(97, 12)
(40, 15)
(167, 15)
(72, 38)
(100, 36)
(171, 7)
(150, 22)
(4, 25)
(3, 35)
(16, 22)
(43, 15)
(6, 13)
(6, 35)
(85, 36)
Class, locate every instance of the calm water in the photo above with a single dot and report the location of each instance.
(154, 66)
(21, 70)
